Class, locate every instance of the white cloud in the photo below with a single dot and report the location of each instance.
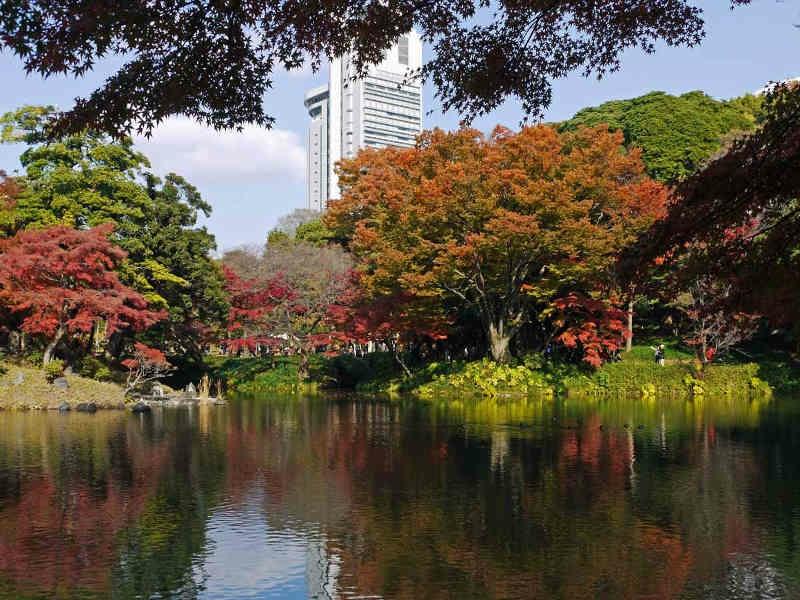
(206, 156)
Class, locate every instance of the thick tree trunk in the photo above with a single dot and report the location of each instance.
(629, 339)
(51, 347)
(499, 341)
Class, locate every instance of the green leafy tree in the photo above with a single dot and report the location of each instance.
(314, 232)
(677, 134)
(177, 258)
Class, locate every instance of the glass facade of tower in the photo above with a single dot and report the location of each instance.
(380, 109)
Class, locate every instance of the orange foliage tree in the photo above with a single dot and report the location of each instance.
(503, 225)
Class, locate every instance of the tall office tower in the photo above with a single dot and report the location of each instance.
(316, 102)
(383, 108)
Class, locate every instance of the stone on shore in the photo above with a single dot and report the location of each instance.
(141, 407)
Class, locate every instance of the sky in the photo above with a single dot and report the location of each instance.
(252, 178)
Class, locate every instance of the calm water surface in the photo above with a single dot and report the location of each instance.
(326, 498)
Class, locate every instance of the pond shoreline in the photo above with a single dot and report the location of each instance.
(25, 388)
(635, 376)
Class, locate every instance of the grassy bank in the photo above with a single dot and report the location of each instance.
(635, 375)
(259, 375)
(24, 387)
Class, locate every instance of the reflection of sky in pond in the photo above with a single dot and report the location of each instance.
(246, 558)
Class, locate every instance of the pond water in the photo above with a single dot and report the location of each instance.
(339, 498)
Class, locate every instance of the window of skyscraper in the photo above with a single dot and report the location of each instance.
(402, 50)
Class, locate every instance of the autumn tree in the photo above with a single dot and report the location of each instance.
(85, 180)
(503, 225)
(145, 366)
(712, 329)
(61, 281)
(213, 61)
(252, 298)
(291, 296)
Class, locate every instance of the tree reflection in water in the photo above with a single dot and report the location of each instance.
(288, 498)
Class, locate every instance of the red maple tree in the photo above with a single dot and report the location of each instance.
(145, 366)
(252, 301)
(60, 281)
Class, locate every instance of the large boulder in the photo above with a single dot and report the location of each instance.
(64, 407)
(140, 407)
(87, 407)
(61, 383)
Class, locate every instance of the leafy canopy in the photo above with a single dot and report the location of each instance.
(61, 280)
(503, 225)
(286, 294)
(214, 61)
(740, 216)
(676, 133)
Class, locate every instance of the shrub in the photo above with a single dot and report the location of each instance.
(93, 368)
(348, 371)
(264, 374)
(53, 370)
(635, 376)
(487, 378)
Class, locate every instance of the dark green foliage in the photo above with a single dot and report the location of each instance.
(93, 368)
(676, 133)
(193, 286)
(265, 374)
(348, 371)
(780, 369)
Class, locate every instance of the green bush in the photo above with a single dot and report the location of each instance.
(93, 368)
(264, 374)
(781, 372)
(377, 369)
(684, 378)
(53, 370)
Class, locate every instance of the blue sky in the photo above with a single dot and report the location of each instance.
(254, 177)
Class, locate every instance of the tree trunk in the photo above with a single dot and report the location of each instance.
(399, 359)
(703, 352)
(302, 367)
(51, 347)
(499, 341)
(629, 339)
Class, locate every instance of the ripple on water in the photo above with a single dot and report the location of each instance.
(341, 499)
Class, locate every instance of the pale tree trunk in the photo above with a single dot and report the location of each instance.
(51, 347)
(629, 339)
(302, 367)
(499, 341)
